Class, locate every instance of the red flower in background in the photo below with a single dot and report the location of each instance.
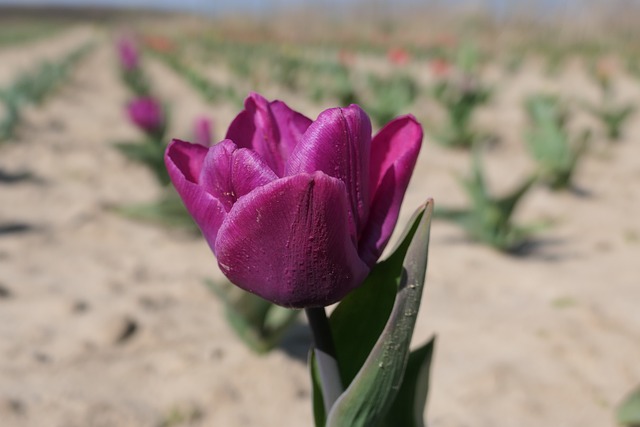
(398, 56)
(440, 67)
(159, 43)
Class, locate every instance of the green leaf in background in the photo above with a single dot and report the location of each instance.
(137, 82)
(259, 323)
(629, 412)
(382, 351)
(167, 211)
(556, 151)
(460, 97)
(468, 58)
(488, 219)
(612, 116)
(11, 115)
(33, 86)
(391, 96)
(210, 91)
(149, 153)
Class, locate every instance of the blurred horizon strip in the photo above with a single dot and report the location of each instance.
(554, 19)
(500, 9)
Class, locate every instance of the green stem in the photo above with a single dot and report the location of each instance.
(325, 353)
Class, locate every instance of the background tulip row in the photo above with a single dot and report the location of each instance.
(31, 87)
(447, 85)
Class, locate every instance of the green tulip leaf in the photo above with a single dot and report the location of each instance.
(319, 413)
(409, 405)
(167, 211)
(359, 319)
(629, 412)
(149, 153)
(372, 391)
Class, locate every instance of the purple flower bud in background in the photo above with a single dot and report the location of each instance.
(202, 133)
(128, 54)
(297, 211)
(147, 114)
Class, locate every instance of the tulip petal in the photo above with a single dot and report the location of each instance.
(184, 163)
(338, 144)
(288, 242)
(291, 124)
(394, 152)
(270, 129)
(229, 172)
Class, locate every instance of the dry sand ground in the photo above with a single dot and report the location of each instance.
(106, 322)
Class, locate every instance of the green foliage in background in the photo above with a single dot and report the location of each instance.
(148, 152)
(460, 95)
(628, 413)
(488, 219)
(549, 140)
(257, 322)
(613, 117)
(392, 96)
(460, 99)
(33, 86)
(210, 91)
(13, 33)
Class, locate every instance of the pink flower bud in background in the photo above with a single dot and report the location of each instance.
(202, 132)
(297, 211)
(147, 114)
(128, 54)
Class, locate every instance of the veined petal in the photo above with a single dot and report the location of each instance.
(288, 242)
(338, 144)
(184, 162)
(270, 129)
(229, 172)
(394, 152)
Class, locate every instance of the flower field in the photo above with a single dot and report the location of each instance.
(531, 152)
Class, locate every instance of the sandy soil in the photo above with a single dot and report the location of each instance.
(106, 322)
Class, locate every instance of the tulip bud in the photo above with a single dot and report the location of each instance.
(128, 54)
(202, 132)
(147, 114)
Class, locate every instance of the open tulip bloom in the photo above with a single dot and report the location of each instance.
(299, 211)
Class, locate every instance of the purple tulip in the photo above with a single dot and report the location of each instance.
(147, 114)
(202, 131)
(297, 211)
(128, 54)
